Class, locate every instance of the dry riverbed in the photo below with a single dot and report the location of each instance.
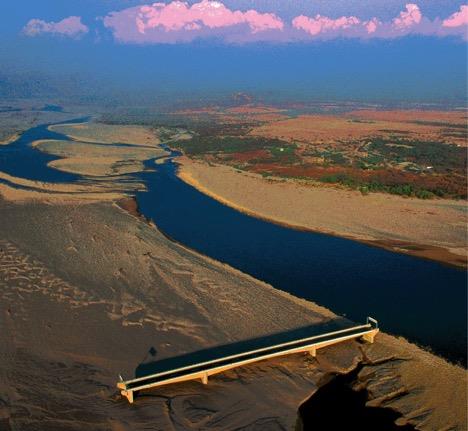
(434, 229)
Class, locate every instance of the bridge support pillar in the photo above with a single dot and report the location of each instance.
(128, 395)
(313, 352)
(204, 379)
(369, 337)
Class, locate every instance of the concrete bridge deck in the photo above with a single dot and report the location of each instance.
(202, 370)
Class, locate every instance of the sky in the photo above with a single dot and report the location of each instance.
(324, 49)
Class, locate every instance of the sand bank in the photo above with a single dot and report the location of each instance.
(98, 160)
(10, 139)
(433, 229)
(109, 134)
(16, 189)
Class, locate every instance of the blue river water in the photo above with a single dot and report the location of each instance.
(20, 159)
(421, 300)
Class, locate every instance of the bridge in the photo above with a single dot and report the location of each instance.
(202, 370)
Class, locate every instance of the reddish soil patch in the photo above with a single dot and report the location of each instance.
(248, 156)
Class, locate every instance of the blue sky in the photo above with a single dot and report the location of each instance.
(421, 62)
(15, 13)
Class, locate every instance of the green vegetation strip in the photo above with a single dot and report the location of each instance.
(278, 150)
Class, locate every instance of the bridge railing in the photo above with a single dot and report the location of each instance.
(201, 370)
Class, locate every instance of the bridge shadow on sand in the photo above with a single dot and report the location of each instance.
(150, 365)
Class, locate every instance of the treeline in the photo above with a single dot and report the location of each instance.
(441, 157)
(423, 187)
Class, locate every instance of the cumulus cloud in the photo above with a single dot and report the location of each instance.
(180, 21)
(179, 15)
(372, 25)
(458, 19)
(408, 21)
(177, 20)
(409, 17)
(321, 24)
(346, 26)
(70, 27)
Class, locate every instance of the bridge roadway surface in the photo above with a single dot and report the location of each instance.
(192, 366)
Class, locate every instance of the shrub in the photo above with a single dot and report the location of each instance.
(364, 190)
(424, 194)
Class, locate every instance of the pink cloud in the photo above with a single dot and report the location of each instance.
(408, 18)
(321, 24)
(263, 21)
(71, 27)
(457, 19)
(372, 25)
(350, 26)
(343, 26)
(177, 20)
(180, 21)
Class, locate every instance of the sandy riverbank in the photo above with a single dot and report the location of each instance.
(129, 289)
(433, 229)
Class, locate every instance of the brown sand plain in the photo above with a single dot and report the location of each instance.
(363, 123)
(88, 289)
(434, 229)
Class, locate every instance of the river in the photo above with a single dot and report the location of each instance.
(421, 300)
